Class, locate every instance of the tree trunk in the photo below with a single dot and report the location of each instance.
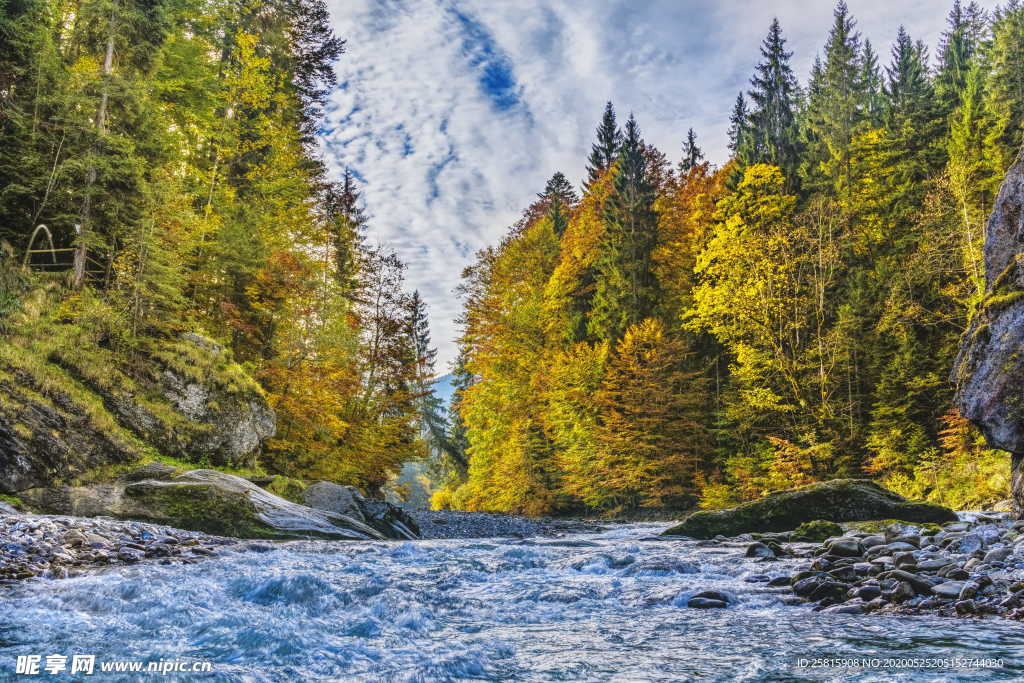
(81, 251)
(1017, 484)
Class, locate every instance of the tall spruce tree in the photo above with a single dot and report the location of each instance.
(692, 154)
(625, 287)
(559, 198)
(738, 123)
(961, 42)
(873, 88)
(773, 134)
(835, 108)
(604, 151)
(913, 122)
(1004, 96)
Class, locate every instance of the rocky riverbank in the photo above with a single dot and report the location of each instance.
(968, 568)
(59, 547)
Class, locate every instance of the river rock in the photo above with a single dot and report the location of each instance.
(989, 369)
(390, 520)
(998, 554)
(202, 500)
(7, 509)
(844, 547)
(705, 603)
(948, 589)
(759, 550)
(816, 530)
(839, 500)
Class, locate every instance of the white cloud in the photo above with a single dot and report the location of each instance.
(455, 113)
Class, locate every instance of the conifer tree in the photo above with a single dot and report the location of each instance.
(959, 46)
(604, 151)
(871, 82)
(772, 129)
(625, 287)
(559, 198)
(692, 154)
(835, 108)
(1004, 89)
(738, 123)
(914, 124)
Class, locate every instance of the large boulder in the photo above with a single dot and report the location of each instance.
(386, 518)
(201, 500)
(839, 500)
(989, 370)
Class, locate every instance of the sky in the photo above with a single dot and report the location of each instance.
(452, 114)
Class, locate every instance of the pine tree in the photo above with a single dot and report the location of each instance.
(835, 108)
(913, 122)
(1004, 89)
(871, 83)
(773, 135)
(559, 198)
(625, 287)
(346, 224)
(604, 151)
(692, 154)
(959, 47)
(738, 123)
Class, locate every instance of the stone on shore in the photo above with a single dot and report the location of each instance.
(202, 500)
(839, 500)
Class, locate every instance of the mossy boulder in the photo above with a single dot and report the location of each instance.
(70, 407)
(286, 487)
(201, 500)
(816, 531)
(839, 500)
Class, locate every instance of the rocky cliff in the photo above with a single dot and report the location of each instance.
(989, 371)
(67, 410)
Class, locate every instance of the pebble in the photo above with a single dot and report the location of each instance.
(968, 569)
(59, 547)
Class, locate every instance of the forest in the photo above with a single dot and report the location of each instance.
(160, 174)
(668, 335)
(682, 334)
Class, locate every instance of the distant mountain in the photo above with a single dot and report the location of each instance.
(444, 389)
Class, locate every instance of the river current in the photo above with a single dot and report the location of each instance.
(606, 606)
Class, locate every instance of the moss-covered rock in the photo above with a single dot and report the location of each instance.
(989, 369)
(816, 531)
(70, 407)
(839, 500)
(286, 487)
(201, 500)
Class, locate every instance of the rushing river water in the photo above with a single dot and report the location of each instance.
(610, 606)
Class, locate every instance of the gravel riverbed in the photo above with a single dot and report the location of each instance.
(970, 568)
(53, 546)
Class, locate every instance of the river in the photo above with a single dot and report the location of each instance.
(606, 606)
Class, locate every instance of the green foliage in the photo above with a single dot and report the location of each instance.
(819, 283)
(169, 148)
